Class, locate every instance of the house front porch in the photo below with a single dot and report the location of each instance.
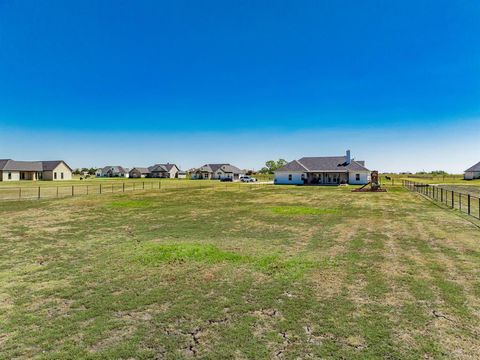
(326, 178)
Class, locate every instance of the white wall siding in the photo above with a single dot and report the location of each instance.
(282, 178)
(470, 175)
(15, 176)
(364, 177)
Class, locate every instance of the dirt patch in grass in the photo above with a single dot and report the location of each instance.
(131, 204)
(302, 210)
(112, 338)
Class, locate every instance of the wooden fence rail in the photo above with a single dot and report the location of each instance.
(463, 201)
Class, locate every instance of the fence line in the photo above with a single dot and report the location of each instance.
(62, 191)
(465, 202)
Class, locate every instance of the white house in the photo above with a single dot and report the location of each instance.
(330, 170)
(12, 170)
(473, 172)
(217, 172)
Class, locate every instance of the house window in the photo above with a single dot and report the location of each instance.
(289, 177)
(357, 177)
(61, 175)
(55, 175)
(9, 176)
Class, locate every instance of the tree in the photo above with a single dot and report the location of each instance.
(272, 165)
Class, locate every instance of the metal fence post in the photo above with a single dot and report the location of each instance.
(123, 187)
(453, 200)
(143, 185)
(19, 192)
(468, 203)
(72, 191)
(460, 200)
(39, 192)
(87, 189)
(100, 188)
(441, 194)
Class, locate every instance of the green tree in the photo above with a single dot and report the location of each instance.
(272, 165)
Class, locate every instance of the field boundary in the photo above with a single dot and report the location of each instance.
(40, 192)
(465, 202)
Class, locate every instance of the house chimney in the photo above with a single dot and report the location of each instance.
(347, 157)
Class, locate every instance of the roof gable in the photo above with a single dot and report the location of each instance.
(324, 163)
(475, 167)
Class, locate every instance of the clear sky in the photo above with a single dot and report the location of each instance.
(139, 82)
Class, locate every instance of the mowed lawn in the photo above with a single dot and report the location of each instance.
(274, 272)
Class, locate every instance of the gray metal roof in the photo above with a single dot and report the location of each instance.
(231, 169)
(51, 165)
(142, 170)
(162, 167)
(211, 168)
(13, 165)
(475, 167)
(115, 169)
(325, 163)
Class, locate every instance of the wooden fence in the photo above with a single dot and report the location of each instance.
(60, 191)
(465, 202)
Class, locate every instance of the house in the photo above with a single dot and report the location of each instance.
(473, 172)
(217, 171)
(329, 170)
(139, 172)
(113, 171)
(182, 174)
(164, 171)
(12, 170)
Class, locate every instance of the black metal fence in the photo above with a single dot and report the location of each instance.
(97, 188)
(465, 202)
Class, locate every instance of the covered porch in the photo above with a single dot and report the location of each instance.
(30, 175)
(326, 178)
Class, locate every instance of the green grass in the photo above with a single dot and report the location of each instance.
(238, 272)
(301, 210)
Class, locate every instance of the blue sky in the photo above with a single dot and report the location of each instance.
(139, 82)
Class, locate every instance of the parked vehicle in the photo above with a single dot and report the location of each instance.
(226, 179)
(247, 178)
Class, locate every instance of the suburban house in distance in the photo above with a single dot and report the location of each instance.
(217, 171)
(12, 170)
(139, 172)
(112, 171)
(473, 172)
(330, 170)
(164, 171)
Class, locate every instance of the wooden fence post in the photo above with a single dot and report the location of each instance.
(72, 191)
(87, 189)
(143, 186)
(123, 187)
(100, 188)
(19, 192)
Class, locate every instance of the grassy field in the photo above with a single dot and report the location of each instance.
(275, 272)
(428, 179)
